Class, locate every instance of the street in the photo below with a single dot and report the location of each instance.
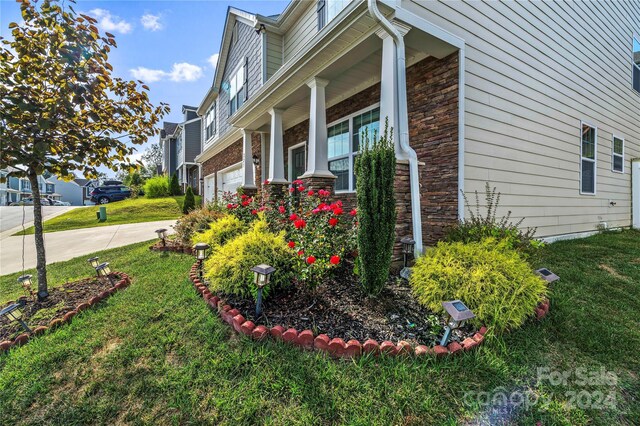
(12, 216)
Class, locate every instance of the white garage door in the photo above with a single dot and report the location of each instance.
(230, 180)
(209, 188)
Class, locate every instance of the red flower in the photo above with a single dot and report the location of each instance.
(300, 252)
(229, 206)
(323, 193)
(254, 211)
(245, 203)
(293, 216)
(291, 244)
(244, 197)
(297, 182)
(301, 188)
(337, 211)
(334, 260)
(333, 221)
(300, 224)
(311, 260)
(281, 209)
(292, 189)
(353, 212)
(310, 193)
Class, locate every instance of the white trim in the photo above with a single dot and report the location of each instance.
(572, 236)
(635, 193)
(461, 130)
(613, 154)
(204, 186)
(220, 172)
(289, 158)
(359, 112)
(424, 25)
(594, 160)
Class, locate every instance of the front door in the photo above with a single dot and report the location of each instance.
(298, 162)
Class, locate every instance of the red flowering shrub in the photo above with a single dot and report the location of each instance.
(242, 206)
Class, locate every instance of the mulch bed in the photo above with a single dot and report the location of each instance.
(61, 300)
(339, 308)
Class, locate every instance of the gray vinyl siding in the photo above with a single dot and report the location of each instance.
(248, 46)
(173, 163)
(534, 71)
(190, 115)
(302, 31)
(192, 140)
(273, 53)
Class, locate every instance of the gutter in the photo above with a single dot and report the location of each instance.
(403, 121)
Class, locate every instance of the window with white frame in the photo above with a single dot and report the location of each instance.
(210, 122)
(617, 153)
(238, 87)
(588, 156)
(343, 140)
(635, 68)
(329, 9)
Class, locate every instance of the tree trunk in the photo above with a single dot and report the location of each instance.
(41, 265)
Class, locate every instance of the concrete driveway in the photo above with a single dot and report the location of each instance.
(65, 245)
(11, 217)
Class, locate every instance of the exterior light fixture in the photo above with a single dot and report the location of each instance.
(13, 313)
(408, 244)
(256, 160)
(547, 275)
(25, 282)
(201, 252)
(162, 234)
(458, 314)
(262, 276)
(94, 263)
(105, 271)
(261, 29)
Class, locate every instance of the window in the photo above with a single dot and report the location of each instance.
(238, 88)
(329, 9)
(210, 122)
(588, 160)
(635, 68)
(617, 152)
(343, 140)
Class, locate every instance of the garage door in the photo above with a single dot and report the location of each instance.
(209, 186)
(231, 180)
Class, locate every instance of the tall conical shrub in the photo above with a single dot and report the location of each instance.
(174, 186)
(189, 202)
(375, 174)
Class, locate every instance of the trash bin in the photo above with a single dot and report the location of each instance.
(103, 214)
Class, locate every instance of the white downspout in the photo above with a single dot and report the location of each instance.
(403, 121)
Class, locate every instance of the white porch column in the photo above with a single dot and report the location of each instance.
(317, 155)
(276, 153)
(388, 87)
(248, 177)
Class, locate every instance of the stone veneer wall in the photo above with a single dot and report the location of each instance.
(432, 93)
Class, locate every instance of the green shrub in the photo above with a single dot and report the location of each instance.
(229, 267)
(197, 220)
(189, 202)
(156, 187)
(477, 227)
(375, 175)
(491, 279)
(220, 231)
(174, 186)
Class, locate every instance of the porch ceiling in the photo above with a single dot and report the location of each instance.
(349, 71)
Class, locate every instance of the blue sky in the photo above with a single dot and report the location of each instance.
(167, 44)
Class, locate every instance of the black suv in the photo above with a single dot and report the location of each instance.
(109, 193)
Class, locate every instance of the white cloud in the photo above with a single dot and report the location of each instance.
(109, 22)
(213, 60)
(179, 72)
(151, 22)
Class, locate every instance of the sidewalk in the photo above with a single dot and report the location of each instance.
(65, 245)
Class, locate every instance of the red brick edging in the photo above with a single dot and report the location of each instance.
(336, 347)
(23, 338)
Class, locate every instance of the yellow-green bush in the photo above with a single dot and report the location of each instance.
(229, 267)
(491, 279)
(220, 231)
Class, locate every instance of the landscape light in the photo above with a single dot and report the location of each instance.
(201, 250)
(458, 314)
(94, 263)
(262, 276)
(105, 271)
(547, 275)
(162, 234)
(13, 313)
(25, 282)
(408, 244)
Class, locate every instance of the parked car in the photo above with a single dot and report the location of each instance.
(111, 182)
(29, 202)
(60, 203)
(109, 193)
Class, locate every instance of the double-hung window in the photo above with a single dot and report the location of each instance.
(238, 87)
(588, 157)
(210, 122)
(344, 139)
(329, 9)
(635, 67)
(617, 155)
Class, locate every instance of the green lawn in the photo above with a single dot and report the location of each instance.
(154, 354)
(126, 211)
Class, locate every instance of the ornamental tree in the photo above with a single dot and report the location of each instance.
(61, 110)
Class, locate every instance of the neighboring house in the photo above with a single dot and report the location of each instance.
(70, 191)
(87, 186)
(9, 187)
(14, 188)
(188, 144)
(168, 147)
(540, 99)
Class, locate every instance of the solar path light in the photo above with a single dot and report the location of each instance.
(262, 276)
(162, 234)
(408, 244)
(458, 314)
(13, 313)
(201, 252)
(105, 271)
